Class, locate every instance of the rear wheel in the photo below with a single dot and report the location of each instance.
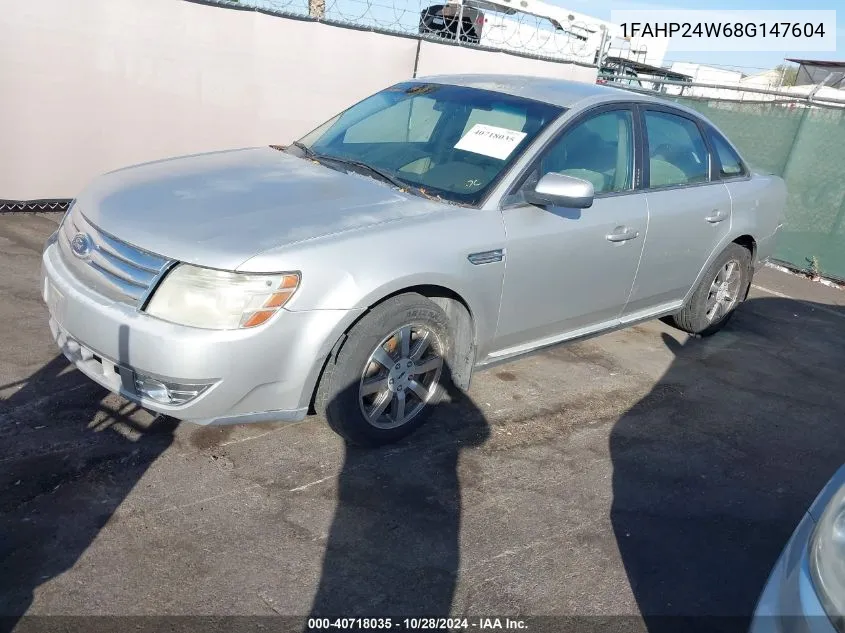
(383, 382)
(720, 291)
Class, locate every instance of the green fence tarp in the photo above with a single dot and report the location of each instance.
(806, 147)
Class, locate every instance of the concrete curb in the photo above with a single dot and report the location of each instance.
(786, 268)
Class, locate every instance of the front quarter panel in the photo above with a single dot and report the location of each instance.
(358, 269)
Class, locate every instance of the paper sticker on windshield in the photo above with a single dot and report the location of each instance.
(489, 140)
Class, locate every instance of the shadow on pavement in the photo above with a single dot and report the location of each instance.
(711, 472)
(71, 454)
(398, 506)
(715, 467)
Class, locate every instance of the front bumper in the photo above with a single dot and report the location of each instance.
(263, 374)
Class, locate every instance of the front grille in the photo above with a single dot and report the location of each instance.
(112, 267)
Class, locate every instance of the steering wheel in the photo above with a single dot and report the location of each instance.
(457, 176)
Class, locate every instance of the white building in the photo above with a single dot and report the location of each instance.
(768, 79)
(700, 73)
(734, 82)
(708, 74)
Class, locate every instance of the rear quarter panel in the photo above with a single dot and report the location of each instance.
(758, 206)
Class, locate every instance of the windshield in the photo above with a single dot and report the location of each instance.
(448, 141)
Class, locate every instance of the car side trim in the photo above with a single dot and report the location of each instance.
(510, 353)
(487, 257)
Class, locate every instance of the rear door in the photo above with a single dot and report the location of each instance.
(689, 208)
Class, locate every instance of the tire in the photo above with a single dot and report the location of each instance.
(340, 395)
(698, 315)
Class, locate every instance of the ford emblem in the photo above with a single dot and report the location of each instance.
(81, 245)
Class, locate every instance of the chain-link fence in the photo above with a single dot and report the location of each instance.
(572, 38)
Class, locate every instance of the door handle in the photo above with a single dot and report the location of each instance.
(716, 216)
(622, 234)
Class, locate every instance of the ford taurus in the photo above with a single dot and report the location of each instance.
(439, 226)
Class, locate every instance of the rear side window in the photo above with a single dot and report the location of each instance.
(677, 152)
(730, 162)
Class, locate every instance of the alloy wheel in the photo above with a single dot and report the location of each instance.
(400, 376)
(724, 291)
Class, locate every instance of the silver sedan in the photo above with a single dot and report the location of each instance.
(805, 592)
(439, 226)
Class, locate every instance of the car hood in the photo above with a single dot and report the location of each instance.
(219, 209)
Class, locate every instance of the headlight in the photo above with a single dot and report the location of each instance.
(827, 559)
(220, 300)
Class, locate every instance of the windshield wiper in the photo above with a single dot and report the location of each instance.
(380, 173)
(383, 175)
(309, 153)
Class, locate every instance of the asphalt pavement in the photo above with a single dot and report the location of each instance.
(642, 473)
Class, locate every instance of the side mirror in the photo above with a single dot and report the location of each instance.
(559, 190)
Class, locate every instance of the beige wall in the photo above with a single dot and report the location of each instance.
(93, 85)
(444, 58)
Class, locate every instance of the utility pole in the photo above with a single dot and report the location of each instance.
(317, 9)
(601, 53)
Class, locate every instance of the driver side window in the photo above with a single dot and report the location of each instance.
(599, 150)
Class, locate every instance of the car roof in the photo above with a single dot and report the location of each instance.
(561, 92)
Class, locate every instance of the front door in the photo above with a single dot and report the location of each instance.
(569, 270)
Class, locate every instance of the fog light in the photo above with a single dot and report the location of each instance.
(152, 389)
(167, 392)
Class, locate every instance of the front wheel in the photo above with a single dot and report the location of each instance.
(389, 373)
(718, 294)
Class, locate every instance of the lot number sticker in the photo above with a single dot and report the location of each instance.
(489, 140)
